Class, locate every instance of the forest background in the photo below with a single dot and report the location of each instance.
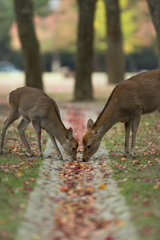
(56, 29)
(80, 37)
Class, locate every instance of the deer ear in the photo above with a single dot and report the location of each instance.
(98, 131)
(90, 124)
(69, 134)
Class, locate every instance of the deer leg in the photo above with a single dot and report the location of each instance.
(21, 128)
(37, 128)
(127, 133)
(135, 124)
(55, 146)
(12, 117)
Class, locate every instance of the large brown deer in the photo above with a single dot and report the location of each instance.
(129, 100)
(36, 107)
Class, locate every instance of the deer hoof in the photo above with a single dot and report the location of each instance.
(61, 159)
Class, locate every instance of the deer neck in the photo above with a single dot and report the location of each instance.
(108, 117)
(58, 130)
(60, 134)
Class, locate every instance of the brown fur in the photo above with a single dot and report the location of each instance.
(129, 100)
(36, 107)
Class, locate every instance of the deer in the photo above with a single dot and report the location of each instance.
(129, 100)
(42, 111)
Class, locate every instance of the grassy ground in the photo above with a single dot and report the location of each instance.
(139, 178)
(18, 173)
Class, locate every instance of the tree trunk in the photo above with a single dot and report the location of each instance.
(30, 47)
(83, 85)
(115, 57)
(154, 8)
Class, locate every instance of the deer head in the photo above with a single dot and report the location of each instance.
(91, 140)
(70, 145)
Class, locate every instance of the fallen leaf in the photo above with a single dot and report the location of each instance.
(19, 174)
(26, 183)
(32, 179)
(23, 205)
(108, 238)
(4, 234)
(36, 237)
(15, 149)
(117, 166)
(11, 146)
(134, 195)
(63, 188)
(146, 213)
(102, 186)
(90, 189)
(155, 186)
(146, 204)
(29, 188)
(146, 230)
(121, 223)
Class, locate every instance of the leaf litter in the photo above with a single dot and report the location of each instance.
(77, 214)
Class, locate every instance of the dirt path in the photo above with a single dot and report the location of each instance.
(76, 200)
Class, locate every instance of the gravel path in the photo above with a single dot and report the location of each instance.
(110, 205)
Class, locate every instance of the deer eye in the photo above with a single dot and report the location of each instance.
(89, 146)
(73, 148)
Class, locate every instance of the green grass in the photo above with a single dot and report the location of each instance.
(18, 174)
(139, 178)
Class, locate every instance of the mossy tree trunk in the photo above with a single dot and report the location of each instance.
(83, 85)
(30, 46)
(154, 8)
(115, 57)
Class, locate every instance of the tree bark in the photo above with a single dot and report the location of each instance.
(115, 57)
(30, 46)
(154, 8)
(83, 85)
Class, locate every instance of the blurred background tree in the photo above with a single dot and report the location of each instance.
(84, 65)
(29, 42)
(56, 23)
(139, 37)
(6, 19)
(154, 8)
(115, 55)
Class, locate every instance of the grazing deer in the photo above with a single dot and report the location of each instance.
(36, 107)
(129, 100)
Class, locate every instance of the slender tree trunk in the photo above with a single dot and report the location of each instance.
(83, 85)
(30, 47)
(115, 57)
(154, 8)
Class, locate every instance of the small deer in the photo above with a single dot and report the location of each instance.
(36, 107)
(129, 100)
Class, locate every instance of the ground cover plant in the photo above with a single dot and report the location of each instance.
(18, 173)
(139, 178)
